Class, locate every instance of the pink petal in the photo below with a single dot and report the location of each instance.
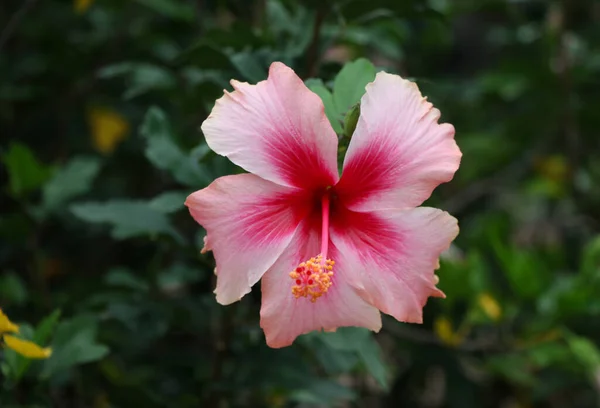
(276, 129)
(283, 317)
(393, 256)
(399, 153)
(249, 223)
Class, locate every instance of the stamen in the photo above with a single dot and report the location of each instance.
(313, 278)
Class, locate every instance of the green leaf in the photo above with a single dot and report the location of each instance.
(549, 354)
(351, 120)
(590, 260)
(74, 343)
(586, 353)
(17, 364)
(177, 277)
(169, 202)
(524, 270)
(371, 356)
(13, 289)
(249, 66)
(141, 77)
(334, 361)
(46, 327)
(362, 343)
(72, 180)
(40, 337)
(280, 20)
(127, 218)
(322, 391)
(345, 338)
(25, 172)
(317, 86)
(42, 334)
(513, 367)
(124, 278)
(164, 154)
(349, 85)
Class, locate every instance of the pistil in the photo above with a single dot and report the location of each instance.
(313, 278)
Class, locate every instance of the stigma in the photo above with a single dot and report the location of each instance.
(313, 278)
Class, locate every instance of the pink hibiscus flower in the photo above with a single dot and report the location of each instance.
(331, 251)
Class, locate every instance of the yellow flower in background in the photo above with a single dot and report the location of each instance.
(81, 6)
(6, 326)
(276, 400)
(108, 129)
(26, 348)
(23, 347)
(490, 306)
(442, 327)
(553, 174)
(102, 401)
(554, 168)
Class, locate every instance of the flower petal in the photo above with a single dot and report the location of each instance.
(394, 255)
(276, 129)
(249, 223)
(399, 153)
(283, 317)
(26, 348)
(6, 326)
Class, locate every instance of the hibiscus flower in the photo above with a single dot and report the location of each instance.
(331, 251)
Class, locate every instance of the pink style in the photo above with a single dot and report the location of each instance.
(331, 251)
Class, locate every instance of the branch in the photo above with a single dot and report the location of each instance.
(312, 54)
(221, 349)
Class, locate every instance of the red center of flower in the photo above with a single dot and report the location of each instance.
(314, 277)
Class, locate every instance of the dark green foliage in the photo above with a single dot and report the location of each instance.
(99, 255)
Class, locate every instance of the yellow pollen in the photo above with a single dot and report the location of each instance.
(312, 278)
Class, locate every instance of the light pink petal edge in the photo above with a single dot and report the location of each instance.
(394, 255)
(276, 129)
(399, 153)
(249, 223)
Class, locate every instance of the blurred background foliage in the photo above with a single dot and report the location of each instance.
(100, 106)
